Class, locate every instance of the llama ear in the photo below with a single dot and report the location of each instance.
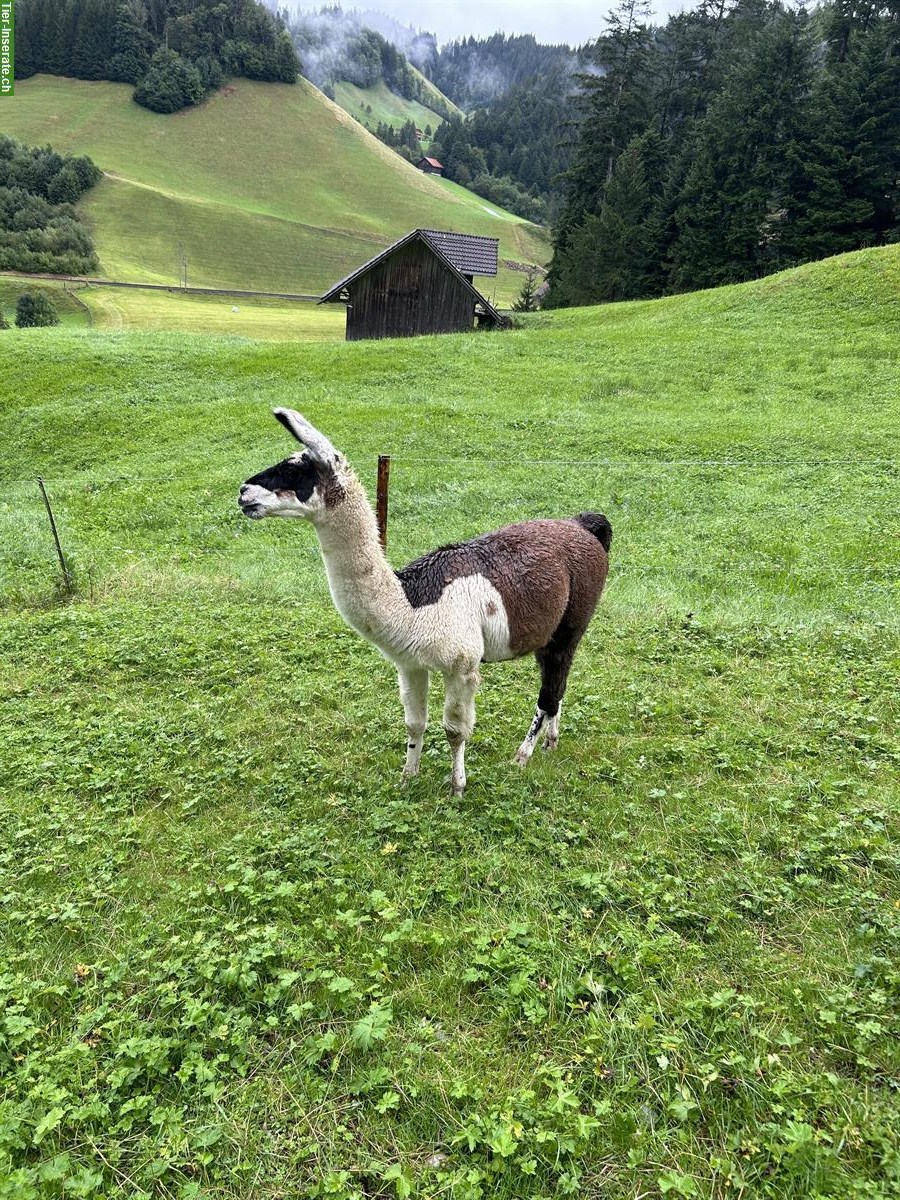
(316, 443)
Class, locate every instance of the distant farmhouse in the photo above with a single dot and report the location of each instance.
(430, 166)
(420, 284)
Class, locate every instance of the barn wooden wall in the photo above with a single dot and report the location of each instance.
(410, 293)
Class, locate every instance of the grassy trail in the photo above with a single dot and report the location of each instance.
(664, 962)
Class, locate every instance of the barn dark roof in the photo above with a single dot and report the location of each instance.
(469, 253)
(430, 237)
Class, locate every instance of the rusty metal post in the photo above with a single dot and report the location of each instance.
(381, 508)
(68, 581)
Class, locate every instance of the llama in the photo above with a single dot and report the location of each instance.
(529, 588)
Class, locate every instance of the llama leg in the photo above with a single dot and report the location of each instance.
(554, 662)
(526, 750)
(459, 721)
(551, 732)
(414, 694)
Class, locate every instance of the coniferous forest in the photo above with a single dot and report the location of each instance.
(736, 140)
(515, 150)
(174, 51)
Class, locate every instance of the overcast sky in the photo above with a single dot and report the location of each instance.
(572, 21)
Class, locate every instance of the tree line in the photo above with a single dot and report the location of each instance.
(515, 150)
(474, 72)
(741, 138)
(40, 229)
(173, 51)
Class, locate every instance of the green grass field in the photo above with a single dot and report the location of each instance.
(386, 107)
(238, 961)
(124, 309)
(263, 187)
(66, 299)
(239, 316)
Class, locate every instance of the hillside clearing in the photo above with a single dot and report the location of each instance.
(386, 107)
(239, 962)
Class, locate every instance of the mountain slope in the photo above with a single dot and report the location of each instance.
(386, 106)
(264, 186)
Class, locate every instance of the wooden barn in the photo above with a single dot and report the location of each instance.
(430, 166)
(420, 284)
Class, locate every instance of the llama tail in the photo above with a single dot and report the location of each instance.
(598, 525)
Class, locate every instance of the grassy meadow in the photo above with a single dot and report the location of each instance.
(386, 107)
(237, 961)
(66, 298)
(263, 187)
(110, 308)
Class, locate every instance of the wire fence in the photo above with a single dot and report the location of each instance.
(876, 575)
(471, 461)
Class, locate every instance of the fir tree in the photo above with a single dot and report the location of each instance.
(616, 107)
(527, 301)
(735, 205)
(171, 83)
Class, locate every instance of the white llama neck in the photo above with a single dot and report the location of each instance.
(365, 590)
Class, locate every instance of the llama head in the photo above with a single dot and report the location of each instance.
(307, 485)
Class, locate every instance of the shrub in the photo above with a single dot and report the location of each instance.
(35, 308)
(65, 187)
(210, 70)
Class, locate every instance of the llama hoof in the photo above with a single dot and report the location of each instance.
(551, 743)
(457, 786)
(522, 757)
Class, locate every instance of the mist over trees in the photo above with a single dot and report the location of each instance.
(515, 151)
(474, 72)
(40, 229)
(335, 46)
(174, 51)
(738, 139)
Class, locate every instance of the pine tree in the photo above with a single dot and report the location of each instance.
(616, 107)
(132, 46)
(609, 253)
(527, 301)
(735, 204)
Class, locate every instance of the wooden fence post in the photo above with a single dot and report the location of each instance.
(381, 509)
(68, 581)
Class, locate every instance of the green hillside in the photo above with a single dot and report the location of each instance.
(389, 108)
(264, 186)
(432, 89)
(237, 961)
(386, 107)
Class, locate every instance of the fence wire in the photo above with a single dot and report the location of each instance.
(471, 462)
(182, 555)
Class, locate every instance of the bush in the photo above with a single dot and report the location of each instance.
(35, 308)
(172, 83)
